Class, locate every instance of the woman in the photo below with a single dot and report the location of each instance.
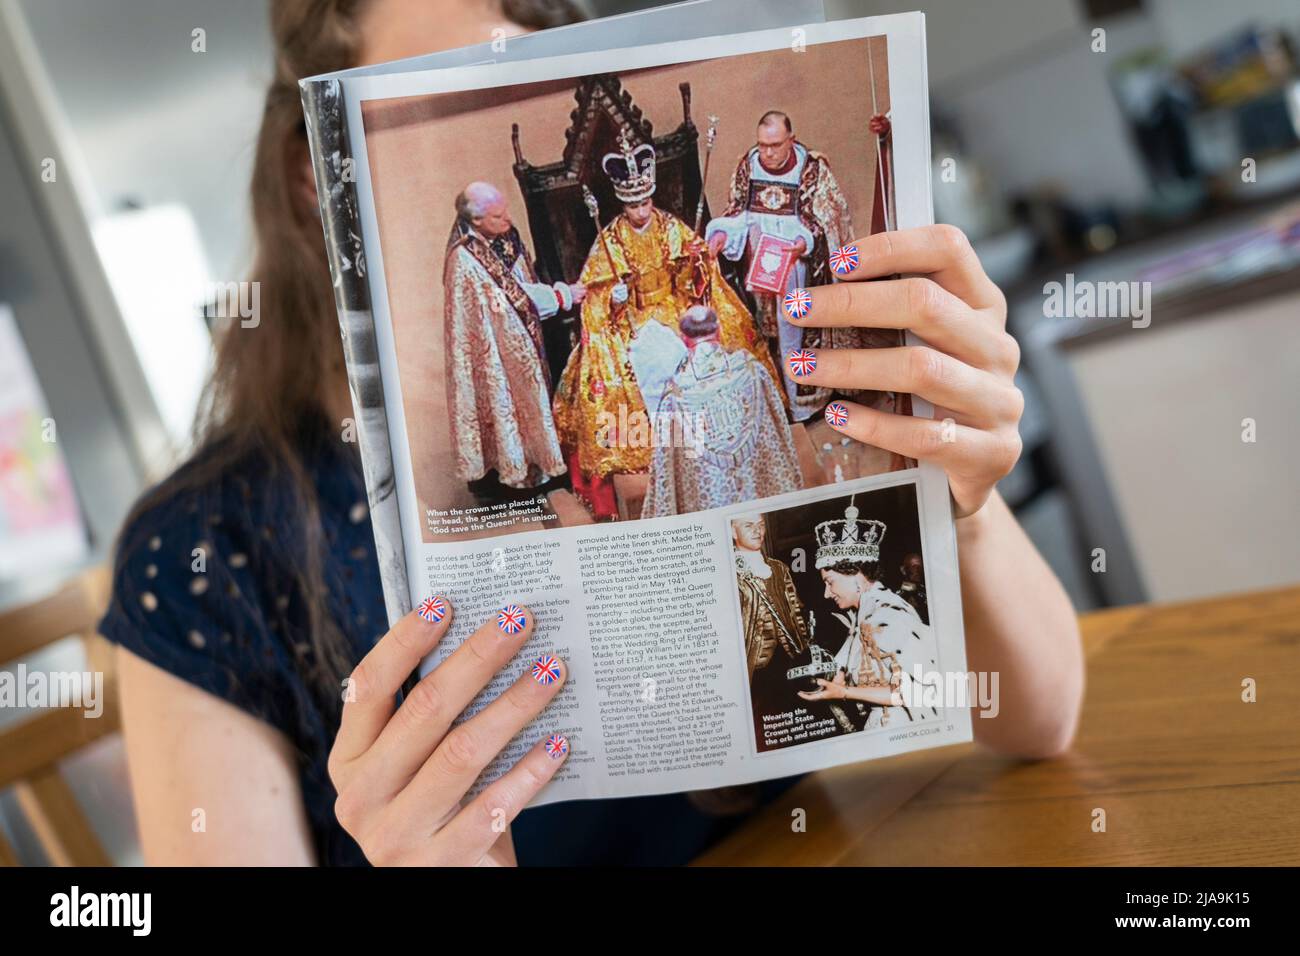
(876, 660)
(246, 589)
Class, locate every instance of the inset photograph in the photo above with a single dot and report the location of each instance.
(834, 619)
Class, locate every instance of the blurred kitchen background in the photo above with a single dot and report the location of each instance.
(1109, 140)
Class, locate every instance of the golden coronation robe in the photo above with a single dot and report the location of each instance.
(599, 410)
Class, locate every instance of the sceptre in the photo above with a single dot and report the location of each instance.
(880, 159)
(593, 209)
(709, 139)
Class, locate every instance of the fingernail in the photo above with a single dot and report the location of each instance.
(557, 745)
(433, 609)
(844, 260)
(546, 669)
(798, 303)
(837, 414)
(802, 362)
(512, 619)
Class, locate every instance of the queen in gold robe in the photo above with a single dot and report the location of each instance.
(645, 266)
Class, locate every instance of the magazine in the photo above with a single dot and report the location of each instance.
(567, 370)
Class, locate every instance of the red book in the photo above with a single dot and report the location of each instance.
(770, 264)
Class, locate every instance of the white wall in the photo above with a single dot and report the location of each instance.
(1206, 513)
(155, 121)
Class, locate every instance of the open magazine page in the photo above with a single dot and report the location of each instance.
(334, 167)
(579, 269)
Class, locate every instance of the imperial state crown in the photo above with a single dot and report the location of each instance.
(848, 540)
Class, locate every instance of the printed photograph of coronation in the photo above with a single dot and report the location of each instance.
(585, 279)
(834, 616)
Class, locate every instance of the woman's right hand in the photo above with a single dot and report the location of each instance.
(402, 772)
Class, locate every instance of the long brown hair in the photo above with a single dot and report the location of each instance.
(272, 384)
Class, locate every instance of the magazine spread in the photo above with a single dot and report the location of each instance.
(564, 266)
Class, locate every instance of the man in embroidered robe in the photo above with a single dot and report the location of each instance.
(782, 188)
(498, 387)
(646, 266)
(781, 654)
(720, 432)
(771, 618)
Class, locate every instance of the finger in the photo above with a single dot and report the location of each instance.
(371, 692)
(917, 304)
(442, 695)
(979, 398)
(471, 833)
(960, 450)
(473, 744)
(942, 252)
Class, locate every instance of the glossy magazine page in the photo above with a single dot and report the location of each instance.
(567, 307)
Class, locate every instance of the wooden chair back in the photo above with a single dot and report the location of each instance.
(31, 749)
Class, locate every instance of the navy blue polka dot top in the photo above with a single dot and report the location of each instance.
(205, 587)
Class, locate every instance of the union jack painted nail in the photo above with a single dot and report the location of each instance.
(844, 260)
(837, 414)
(546, 669)
(557, 745)
(433, 609)
(512, 619)
(802, 362)
(798, 303)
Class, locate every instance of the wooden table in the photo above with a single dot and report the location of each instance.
(1187, 773)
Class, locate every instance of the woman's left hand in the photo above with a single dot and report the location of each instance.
(966, 369)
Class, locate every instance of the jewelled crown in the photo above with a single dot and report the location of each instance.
(631, 170)
(848, 540)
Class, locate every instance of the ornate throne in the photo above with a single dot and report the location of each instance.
(562, 230)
